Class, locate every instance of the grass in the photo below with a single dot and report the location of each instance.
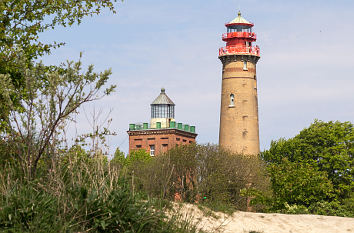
(80, 194)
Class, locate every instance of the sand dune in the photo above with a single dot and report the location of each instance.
(245, 222)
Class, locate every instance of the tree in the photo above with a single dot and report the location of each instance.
(118, 157)
(47, 107)
(325, 149)
(297, 183)
(137, 157)
(21, 23)
(204, 173)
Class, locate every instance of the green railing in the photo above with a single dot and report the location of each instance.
(173, 125)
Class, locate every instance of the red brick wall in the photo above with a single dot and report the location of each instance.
(162, 142)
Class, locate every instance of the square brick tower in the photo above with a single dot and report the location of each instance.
(163, 133)
(239, 131)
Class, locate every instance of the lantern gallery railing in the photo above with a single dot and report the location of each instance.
(173, 125)
(254, 50)
(229, 35)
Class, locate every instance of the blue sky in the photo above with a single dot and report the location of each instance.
(306, 70)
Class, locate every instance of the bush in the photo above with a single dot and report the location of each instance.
(205, 174)
(298, 183)
(294, 209)
(314, 169)
(333, 208)
(78, 194)
(325, 146)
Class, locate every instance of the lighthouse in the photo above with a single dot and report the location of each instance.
(163, 133)
(239, 130)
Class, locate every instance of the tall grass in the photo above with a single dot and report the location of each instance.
(77, 193)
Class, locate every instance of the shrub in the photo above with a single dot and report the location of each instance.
(78, 194)
(295, 209)
(324, 146)
(333, 208)
(298, 183)
(204, 174)
(314, 169)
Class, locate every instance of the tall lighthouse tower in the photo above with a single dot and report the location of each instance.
(239, 131)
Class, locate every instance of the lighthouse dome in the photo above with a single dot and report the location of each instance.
(239, 21)
(162, 110)
(162, 99)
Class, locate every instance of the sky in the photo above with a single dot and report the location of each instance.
(306, 70)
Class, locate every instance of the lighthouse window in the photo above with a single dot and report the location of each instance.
(162, 111)
(245, 65)
(232, 100)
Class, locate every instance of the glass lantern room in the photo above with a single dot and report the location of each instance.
(162, 111)
(239, 24)
(162, 107)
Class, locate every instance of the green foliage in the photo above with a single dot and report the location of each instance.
(193, 172)
(334, 208)
(137, 156)
(298, 183)
(21, 23)
(47, 108)
(314, 167)
(295, 209)
(79, 194)
(22, 210)
(81, 156)
(118, 157)
(132, 160)
(5, 153)
(68, 190)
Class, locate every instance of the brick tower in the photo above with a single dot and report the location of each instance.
(239, 131)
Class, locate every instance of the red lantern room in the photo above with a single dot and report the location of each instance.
(239, 38)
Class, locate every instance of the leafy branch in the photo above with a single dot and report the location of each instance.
(49, 106)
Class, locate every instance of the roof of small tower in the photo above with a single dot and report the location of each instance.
(239, 20)
(163, 98)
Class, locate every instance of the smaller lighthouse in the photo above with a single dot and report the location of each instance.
(163, 132)
(162, 111)
(239, 131)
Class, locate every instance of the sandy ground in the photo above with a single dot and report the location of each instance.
(246, 222)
